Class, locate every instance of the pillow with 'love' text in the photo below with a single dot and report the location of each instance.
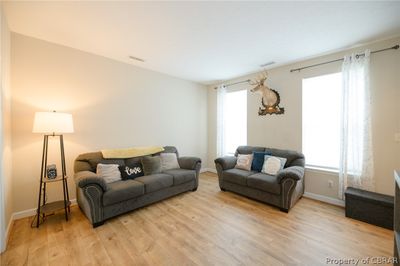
(132, 171)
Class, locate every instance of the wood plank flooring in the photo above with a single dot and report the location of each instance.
(206, 227)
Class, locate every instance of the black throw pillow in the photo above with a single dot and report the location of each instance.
(131, 172)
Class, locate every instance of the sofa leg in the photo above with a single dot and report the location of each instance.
(98, 224)
(194, 189)
(284, 210)
(222, 189)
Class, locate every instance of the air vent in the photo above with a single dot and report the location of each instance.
(267, 64)
(136, 58)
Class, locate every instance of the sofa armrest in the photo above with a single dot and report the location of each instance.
(85, 178)
(189, 163)
(226, 162)
(293, 172)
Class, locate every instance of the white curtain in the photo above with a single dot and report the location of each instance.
(356, 168)
(221, 91)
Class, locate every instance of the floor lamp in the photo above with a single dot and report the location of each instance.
(52, 124)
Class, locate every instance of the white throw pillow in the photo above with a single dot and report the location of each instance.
(169, 161)
(244, 161)
(272, 165)
(109, 172)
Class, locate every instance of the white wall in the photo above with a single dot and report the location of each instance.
(113, 105)
(6, 206)
(284, 131)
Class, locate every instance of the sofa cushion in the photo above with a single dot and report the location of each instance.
(122, 191)
(94, 161)
(112, 161)
(293, 158)
(95, 158)
(181, 175)
(248, 150)
(264, 182)
(133, 161)
(155, 182)
(168, 149)
(237, 176)
(151, 165)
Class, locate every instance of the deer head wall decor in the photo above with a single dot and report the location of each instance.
(270, 98)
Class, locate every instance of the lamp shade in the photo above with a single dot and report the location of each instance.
(52, 122)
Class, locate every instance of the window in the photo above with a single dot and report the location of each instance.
(234, 121)
(321, 120)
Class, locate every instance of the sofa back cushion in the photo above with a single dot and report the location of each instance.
(89, 161)
(168, 149)
(294, 158)
(248, 150)
(132, 162)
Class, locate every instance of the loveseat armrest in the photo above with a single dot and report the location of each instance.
(226, 162)
(189, 163)
(293, 172)
(85, 178)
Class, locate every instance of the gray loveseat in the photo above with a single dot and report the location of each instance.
(100, 201)
(282, 190)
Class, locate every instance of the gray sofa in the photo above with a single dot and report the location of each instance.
(100, 201)
(282, 190)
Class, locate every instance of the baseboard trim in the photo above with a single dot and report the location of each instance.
(212, 170)
(20, 215)
(325, 199)
(31, 212)
(8, 231)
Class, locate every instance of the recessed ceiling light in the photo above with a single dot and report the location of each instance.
(267, 64)
(136, 58)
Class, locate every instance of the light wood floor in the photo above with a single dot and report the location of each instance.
(206, 227)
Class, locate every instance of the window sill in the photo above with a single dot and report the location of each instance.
(322, 169)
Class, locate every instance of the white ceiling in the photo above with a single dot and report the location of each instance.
(205, 41)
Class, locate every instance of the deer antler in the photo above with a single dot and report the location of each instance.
(260, 79)
(253, 83)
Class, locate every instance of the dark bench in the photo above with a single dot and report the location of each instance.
(370, 207)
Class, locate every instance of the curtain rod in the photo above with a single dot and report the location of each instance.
(328, 62)
(235, 83)
(341, 59)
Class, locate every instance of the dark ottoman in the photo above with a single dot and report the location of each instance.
(370, 207)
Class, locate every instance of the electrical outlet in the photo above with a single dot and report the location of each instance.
(397, 137)
(330, 184)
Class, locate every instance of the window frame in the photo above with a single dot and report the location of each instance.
(228, 91)
(329, 169)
